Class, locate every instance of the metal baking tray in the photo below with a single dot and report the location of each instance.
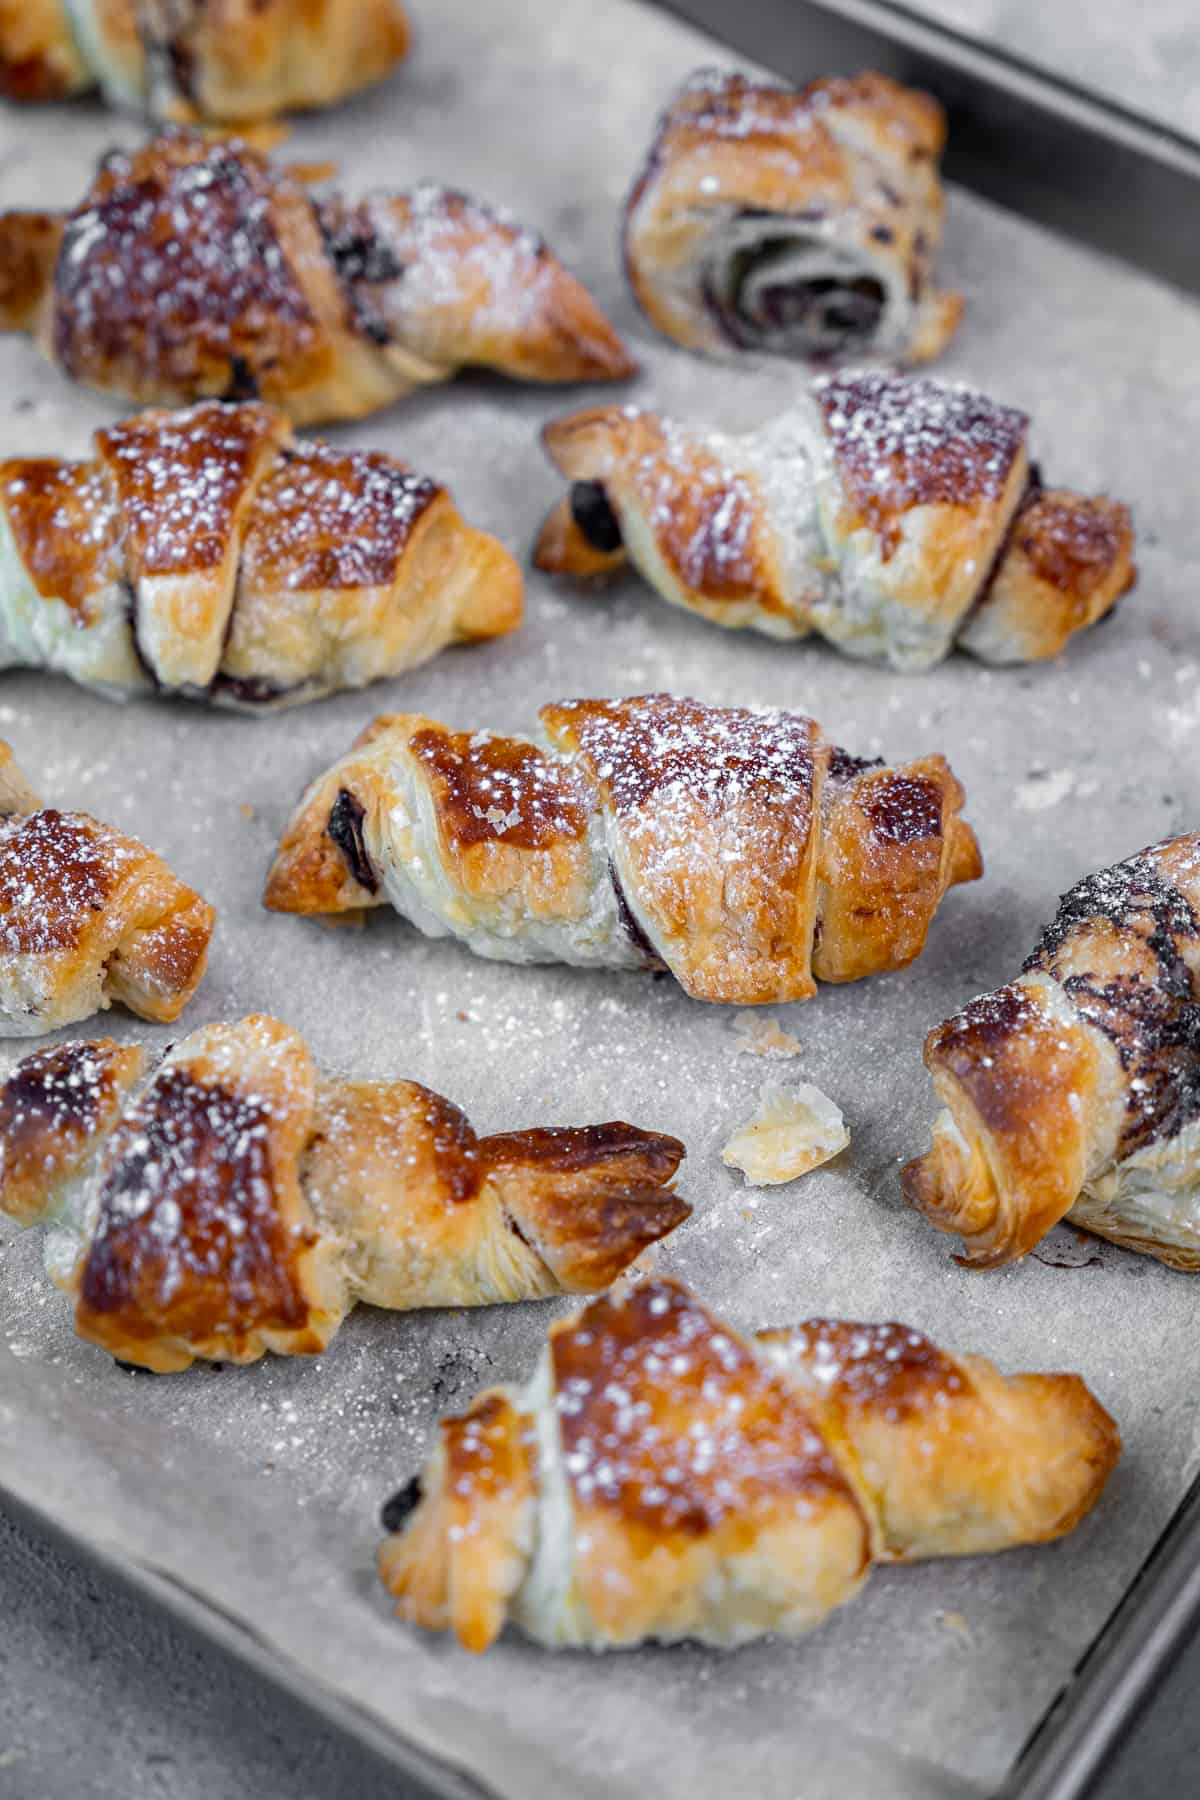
(246, 1499)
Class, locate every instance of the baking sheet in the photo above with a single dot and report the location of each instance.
(1155, 69)
(256, 1490)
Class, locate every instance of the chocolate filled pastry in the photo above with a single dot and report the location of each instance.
(223, 61)
(896, 517)
(661, 1476)
(88, 917)
(801, 223)
(232, 1201)
(195, 269)
(1074, 1091)
(740, 850)
(208, 553)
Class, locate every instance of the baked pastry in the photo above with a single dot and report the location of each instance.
(737, 849)
(805, 223)
(661, 1476)
(1074, 1091)
(195, 269)
(219, 60)
(894, 516)
(208, 553)
(234, 1202)
(88, 916)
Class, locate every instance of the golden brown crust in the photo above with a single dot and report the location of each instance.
(205, 552)
(247, 296)
(654, 1509)
(458, 1566)
(240, 60)
(901, 445)
(88, 915)
(704, 839)
(849, 162)
(954, 1459)
(1056, 1083)
(241, 1205)
(716, 820)
(55, 1107)
(1067, 562)
(562, 549)
(39, 58)
(1017, 1078)
(327, 311)
(892, 843)
(29, 249)
(469, 273)
(690, 1482)
(896, 516)
(226, 60)
(710, 528)
(588, 1200)
(204, 1240)
(185, 486)
(52, 509)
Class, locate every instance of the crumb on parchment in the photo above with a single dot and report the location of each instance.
(795, 1128)
(761, 1034)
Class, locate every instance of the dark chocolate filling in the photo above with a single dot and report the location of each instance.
(630, 926)
(362, 261)
(249, 690)
(817, 315)
(595, 518)
(396, 1512)
(243, 382)
(345, 828)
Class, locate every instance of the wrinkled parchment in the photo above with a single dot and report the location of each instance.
(257, 1490)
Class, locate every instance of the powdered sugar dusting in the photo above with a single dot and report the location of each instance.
(172, 270)
(57, 872)
(326, 518)
(179, 479)
(902, 442)
(671, 1421)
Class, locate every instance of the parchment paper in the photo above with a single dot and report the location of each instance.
(257, 1489)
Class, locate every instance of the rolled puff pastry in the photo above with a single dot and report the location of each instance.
(739, 850)
(88, 917)
(209, 553)
(194, 268)
(662, 1476)
(805, 223)
(233, 1201)
(217, 60)
(895, 516)
(1073, 1091)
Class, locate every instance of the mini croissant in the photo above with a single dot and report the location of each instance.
(88, 916)
(894, 516)
(661, 1476)
(234, 1202)
(195, 269)
(1074, 1091)
(221, 60)
(740, 850)
(804, 223)
(208, 553)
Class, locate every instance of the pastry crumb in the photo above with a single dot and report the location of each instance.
(246, 810)
(761, 1034)
(795, 1129)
